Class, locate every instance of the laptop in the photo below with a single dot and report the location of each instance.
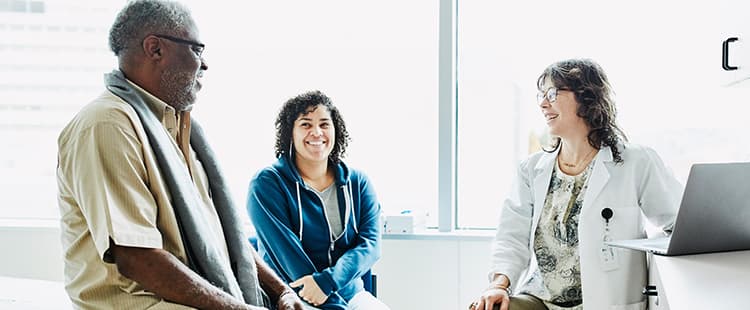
(714, 215)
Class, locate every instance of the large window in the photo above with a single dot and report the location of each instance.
(379, 61)
(52, 57)
(663, 66)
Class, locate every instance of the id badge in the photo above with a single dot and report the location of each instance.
(608, 258)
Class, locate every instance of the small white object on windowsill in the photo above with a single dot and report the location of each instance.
(406, 222)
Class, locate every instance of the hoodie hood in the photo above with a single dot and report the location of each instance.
(288, 169)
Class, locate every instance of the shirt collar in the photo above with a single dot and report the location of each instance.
(157, 106)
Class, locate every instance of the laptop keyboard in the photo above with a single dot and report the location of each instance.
(657, 242)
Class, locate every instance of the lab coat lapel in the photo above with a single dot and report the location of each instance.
(599, 176)
(542, 178)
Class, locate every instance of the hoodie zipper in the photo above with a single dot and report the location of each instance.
(328, 224)
(349, 208)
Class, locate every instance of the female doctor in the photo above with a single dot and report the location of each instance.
(590, 186)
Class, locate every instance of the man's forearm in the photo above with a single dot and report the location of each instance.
(163, 274)
(269, 281)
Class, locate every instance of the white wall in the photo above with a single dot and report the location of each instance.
(427, 273)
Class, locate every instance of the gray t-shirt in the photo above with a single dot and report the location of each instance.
(331, 204)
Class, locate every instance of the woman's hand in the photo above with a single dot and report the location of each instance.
(310, 291)
(492, 296)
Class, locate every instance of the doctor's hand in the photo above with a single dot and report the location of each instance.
(310, 291)
(491, 297)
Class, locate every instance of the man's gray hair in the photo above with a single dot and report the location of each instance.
(140, 18)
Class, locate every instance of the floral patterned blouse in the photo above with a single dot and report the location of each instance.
(557, 281)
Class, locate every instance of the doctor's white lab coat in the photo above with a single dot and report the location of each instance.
(640, 185)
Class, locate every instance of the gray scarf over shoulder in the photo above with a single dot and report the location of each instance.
(240, 279)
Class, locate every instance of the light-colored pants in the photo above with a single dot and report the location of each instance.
(524, 302)
(361, 301)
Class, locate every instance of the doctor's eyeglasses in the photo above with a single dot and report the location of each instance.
(550, 95)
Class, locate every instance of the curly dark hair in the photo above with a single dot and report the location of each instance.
(301, 105)
(593, 93)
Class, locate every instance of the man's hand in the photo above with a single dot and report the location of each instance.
(290, 301)
(160, 272)
(284, 296)
(310, 291)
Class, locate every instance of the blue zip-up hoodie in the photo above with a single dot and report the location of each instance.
(295, 237)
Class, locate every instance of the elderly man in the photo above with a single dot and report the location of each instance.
(146, 218)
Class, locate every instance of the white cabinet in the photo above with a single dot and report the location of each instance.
(656, 299)
(702, 281)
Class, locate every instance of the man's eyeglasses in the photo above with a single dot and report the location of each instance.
(550, 95)
(195, 46)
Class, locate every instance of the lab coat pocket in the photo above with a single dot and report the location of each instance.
(622, 224)
(634, 306)
(626, 273)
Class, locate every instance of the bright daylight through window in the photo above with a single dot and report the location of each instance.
(379, 63)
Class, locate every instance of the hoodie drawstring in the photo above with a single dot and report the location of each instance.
(348, 213)
(351, 205)
(299, 209)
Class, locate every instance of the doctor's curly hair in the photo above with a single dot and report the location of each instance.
(587, 80)
(301, 105)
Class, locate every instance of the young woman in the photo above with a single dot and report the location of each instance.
(588, 187)
(317, 219)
